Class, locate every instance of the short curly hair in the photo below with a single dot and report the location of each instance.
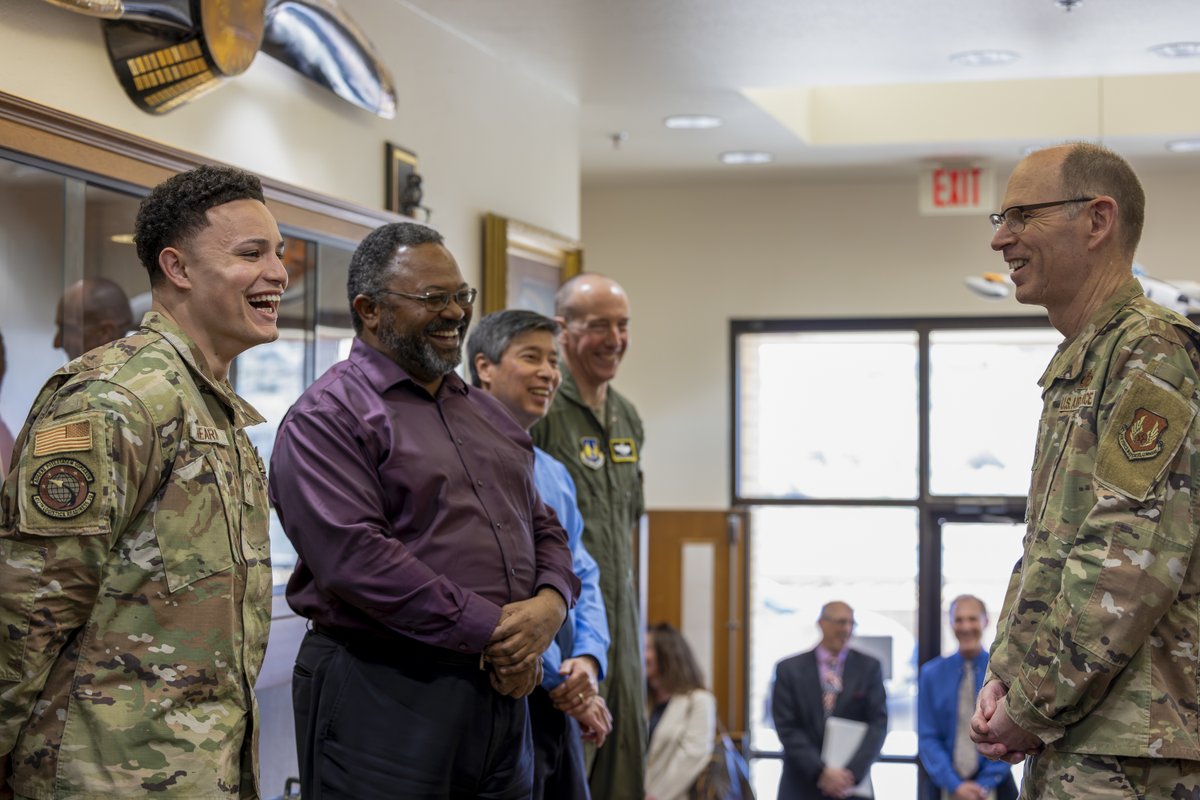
(177, 209)
(369, 265)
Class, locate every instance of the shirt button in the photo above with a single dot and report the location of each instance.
(458, 440)
(513, 570)
(462, 647)
(479, 483)
(498, 525)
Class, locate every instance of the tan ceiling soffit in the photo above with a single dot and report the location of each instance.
(1047, 108)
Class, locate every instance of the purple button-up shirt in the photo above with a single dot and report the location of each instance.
(411, 514)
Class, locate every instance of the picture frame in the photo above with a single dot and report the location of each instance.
(524, 265)
(399, 164)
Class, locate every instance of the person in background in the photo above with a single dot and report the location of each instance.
(91, 312)
(948, 686)
(830, 680)
(597, 434)
(1093, 671)
(135, 561)
(682, 715)
(514, 357)
(433, 574)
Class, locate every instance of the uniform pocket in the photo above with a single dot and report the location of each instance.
(191, 524)
(1070, 493)
(21, 566)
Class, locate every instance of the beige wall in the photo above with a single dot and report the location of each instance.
(488, 137)
(693, 256)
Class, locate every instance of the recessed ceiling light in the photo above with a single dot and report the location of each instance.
(1177, 49)
(746, 157)
(984, 58)
(692, 121)
(1184, 146)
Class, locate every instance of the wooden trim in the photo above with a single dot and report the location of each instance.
(94, 149)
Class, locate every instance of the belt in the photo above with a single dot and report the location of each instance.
(396, 648)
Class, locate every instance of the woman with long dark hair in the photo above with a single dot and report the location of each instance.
(682, 715)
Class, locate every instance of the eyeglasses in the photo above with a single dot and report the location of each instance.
(436, 302)
(1014, 216)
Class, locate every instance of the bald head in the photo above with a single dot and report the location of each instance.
(92, 312)
(594, 314)
(837, 625)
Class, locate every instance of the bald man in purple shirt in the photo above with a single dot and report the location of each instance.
(433, 575)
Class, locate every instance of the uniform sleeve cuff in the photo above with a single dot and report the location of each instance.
(1022, 711)
(479, 619)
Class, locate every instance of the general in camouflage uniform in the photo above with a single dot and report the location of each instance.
(134, 555)
(598, 437)
(1095, 661)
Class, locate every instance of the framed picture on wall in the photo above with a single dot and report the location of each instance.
(523, 265)
(401, 195)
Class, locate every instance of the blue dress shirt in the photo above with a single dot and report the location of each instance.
(588, 616)
(937, 716)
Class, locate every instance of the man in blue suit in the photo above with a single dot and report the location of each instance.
(829, 681)
(946, 701)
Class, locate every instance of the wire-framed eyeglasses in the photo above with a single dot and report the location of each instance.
(436, 302)
(1014, 216)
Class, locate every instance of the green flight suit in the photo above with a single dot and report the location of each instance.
(604, 459)
(1098, 639)
(136, 573)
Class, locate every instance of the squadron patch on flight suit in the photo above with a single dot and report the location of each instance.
(590, 453)
(623, 451)
(63, 488)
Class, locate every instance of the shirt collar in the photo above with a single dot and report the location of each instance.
(382, 372)
(1068, 361)
(824, 656)
(244, 414)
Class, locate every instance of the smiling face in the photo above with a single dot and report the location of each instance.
(596, 334)
(968, 620)
(526, 378)
(427, 344)
(837, 626)
(1047, 259)
(233, 277)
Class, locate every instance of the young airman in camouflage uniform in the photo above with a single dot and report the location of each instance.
(134, 555)
(1094, 667)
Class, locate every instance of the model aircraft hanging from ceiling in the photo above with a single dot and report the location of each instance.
(1180, 296)
(168, 52)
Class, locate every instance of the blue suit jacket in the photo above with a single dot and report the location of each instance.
(937, 716)
(800, 718)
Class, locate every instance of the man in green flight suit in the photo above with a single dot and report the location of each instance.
(1093, 673)
(597, 434)
(134, 555)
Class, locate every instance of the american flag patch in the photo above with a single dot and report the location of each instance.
(66, 438)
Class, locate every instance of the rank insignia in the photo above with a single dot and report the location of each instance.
(63, 488)
(1142, 436)
(590, 453)
(623, 451)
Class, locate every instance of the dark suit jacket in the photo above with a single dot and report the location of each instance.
(800, 718)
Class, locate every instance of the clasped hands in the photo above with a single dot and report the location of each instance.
(994, 732)
(525, 630)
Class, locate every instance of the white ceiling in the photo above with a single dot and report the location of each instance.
(863, 83)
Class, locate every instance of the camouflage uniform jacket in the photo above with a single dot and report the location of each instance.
(1098, 640)
(135, 566)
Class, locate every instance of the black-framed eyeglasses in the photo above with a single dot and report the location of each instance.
(436, 302)
(1014, 216)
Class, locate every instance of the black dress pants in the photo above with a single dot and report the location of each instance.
(379, 721)
(558, 768)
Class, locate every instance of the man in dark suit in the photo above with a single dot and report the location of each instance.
(830, 681)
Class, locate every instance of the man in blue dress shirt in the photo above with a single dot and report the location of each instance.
(514, 357)
(946, 701)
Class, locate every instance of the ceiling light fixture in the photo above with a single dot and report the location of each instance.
(1067, 5)
(1177, 50)
(984, 58)
(692, 121)
(746, 157)
(1184, 146)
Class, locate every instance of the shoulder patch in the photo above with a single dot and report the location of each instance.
(69, 437)
(63, 488)
(1144, 432)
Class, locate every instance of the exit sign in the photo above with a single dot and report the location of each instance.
(955, 190)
